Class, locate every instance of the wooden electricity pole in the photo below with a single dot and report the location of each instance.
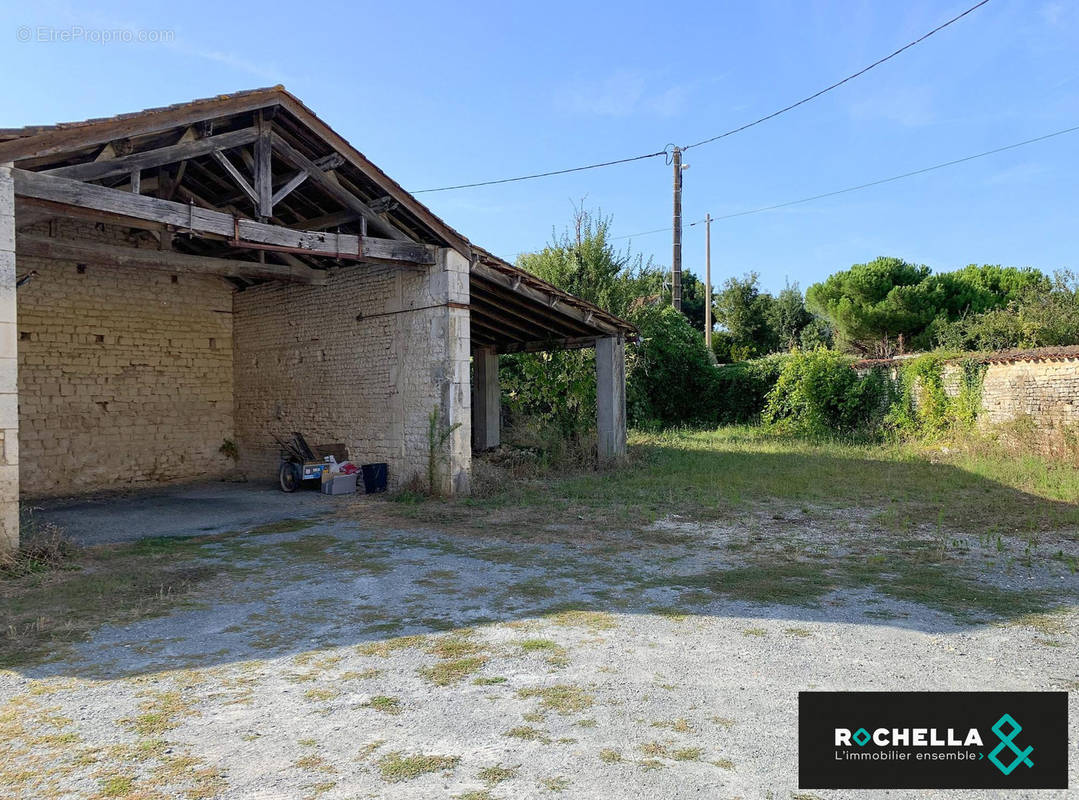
(708, 281)
(676, 255)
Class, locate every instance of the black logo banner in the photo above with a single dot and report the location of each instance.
(933, 740)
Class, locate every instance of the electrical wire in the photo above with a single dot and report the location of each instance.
(545, 174)
(665, 151)
(868, 185)
(837, 84)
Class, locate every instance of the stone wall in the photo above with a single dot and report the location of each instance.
(125, 375)
(1045, 391)
(363, 360)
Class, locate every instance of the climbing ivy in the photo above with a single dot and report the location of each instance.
(920, 403)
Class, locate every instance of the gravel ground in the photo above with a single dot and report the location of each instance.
(342, 662)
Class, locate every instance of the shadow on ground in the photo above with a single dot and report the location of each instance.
(916, 545)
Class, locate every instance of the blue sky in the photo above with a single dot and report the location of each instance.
(444, 93)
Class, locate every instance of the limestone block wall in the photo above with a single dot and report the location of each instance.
(125, 375)
(1045, 391)
(363, 360)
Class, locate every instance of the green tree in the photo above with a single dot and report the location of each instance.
(788, 317)
(746, 314)
(693, 300)
(876, 305)
(583, 262)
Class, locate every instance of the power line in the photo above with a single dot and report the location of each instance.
(739, 129)
(546, 174)
(868, 185)
(837, 84)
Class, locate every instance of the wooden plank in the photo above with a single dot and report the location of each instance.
(264, 168)
(287, 188)
(147, 258)
(95, 170)
(202, 221)
(523, 289)
(331, 220)
(332, 188)
(59, 140)
(373, 173)
(574, 343)
(239, 179)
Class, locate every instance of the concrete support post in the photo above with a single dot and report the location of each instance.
(486, 399)
(9, 390)
(456, 405)
(611, 397)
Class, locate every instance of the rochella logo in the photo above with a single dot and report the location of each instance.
(934, 737)
(1021, 756)
(907, 737)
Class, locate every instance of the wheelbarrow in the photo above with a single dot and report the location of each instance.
(300, 462)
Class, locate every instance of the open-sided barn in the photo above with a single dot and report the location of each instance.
(230, 269)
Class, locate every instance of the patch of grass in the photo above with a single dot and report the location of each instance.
(527, 733)
(385, 704)
(447, 673)
(162, 712)
(479, 794)
(117, 786)
(492, 681)
(609, 755)
(562, 699)
(531, 589)
(687, 754)
(582, 618)
(754, 632)
(800, 633)
(673, 613)
(765, 582)
(681, 725)
(722, 763)
(388, 647)
(322, 694)
(454, 647)
(496, 774)
(654, 749)
(314, 763)
(43, 611)
(396, 766)
(286, 526)
(555, 784)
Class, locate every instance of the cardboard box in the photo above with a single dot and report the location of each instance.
(339, 484)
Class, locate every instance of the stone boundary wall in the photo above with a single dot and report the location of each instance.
(1039, 387)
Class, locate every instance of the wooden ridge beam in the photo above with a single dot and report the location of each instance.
(121, 165)
(170, 261)
(206, 222)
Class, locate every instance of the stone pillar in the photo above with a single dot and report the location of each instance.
(486, 399)
(456, 391)
(9, 389)
(611, 397)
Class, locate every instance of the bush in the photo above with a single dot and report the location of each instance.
(669, 377)
(818, 393)
(740, 390)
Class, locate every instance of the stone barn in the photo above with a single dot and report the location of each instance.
(181, 284)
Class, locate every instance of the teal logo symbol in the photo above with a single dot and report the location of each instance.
(862, 737)
(1006, 741)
